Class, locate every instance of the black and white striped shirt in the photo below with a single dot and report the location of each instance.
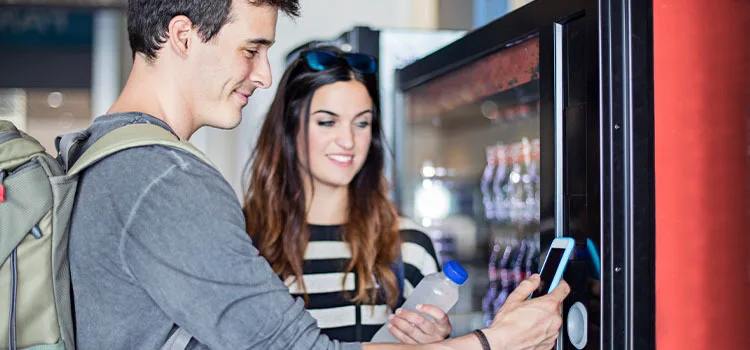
(326, 258)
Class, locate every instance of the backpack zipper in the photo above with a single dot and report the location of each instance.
(36, 232)
(7, 136)
(4, 175)
(12, 341)
(30, 165)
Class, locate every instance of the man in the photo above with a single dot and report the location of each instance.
(158, 237)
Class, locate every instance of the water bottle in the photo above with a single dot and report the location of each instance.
(439, 289)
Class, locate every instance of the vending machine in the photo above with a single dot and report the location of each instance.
(525, 130)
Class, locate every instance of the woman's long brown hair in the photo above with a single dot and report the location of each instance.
(275, 210)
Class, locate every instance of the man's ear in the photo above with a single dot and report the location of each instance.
(179, 35)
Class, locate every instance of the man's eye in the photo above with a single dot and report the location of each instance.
(251, 53)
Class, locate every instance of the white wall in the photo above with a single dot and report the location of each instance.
(321, 19)
(515, 4)
(105, 86)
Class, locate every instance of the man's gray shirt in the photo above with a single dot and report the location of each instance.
(158, 239)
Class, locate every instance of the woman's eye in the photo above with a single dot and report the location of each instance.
(363, 124)
(325, 123)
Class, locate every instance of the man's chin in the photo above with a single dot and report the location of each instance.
(227, 123)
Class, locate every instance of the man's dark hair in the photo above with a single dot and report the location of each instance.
(148, 19)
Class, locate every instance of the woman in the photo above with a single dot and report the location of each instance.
(317, 205)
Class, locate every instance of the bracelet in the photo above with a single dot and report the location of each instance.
(482, 339)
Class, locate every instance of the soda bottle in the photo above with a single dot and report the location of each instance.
(488, 310)
(532, 259)
(506, 282)
(499, 184)
(486, 183)
(515, 185)
(519, 266)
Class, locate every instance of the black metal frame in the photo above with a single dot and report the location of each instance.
(628, 206)
(536, 17)
(619, 141)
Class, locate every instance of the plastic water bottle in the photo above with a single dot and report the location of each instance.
(439, 289)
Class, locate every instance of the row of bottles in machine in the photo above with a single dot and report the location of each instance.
(511, 261)
(510, 182)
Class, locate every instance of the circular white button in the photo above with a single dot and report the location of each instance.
(578, 325)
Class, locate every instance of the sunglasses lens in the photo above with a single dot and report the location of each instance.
(362, 63)
(320, 60)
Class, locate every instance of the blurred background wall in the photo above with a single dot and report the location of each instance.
(63, 62)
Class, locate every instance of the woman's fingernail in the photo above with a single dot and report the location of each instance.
(398, 311)
(390, 317)
(419, 307)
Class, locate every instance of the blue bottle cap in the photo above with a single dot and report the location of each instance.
(455, 272)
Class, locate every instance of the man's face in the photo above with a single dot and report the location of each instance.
(226, 70)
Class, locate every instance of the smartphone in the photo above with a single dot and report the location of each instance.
(554, 265)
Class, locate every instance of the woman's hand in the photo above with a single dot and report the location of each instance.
(412, 328)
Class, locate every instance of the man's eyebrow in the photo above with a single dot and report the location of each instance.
(259, 41)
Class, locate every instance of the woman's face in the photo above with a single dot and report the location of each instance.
(339, 133)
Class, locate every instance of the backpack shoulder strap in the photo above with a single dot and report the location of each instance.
(129, 136)
(67, 144)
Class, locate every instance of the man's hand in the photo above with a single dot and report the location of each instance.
(528, 324)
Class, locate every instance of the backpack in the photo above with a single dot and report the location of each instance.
(37, 193)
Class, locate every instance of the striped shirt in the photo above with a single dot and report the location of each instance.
(326, 258)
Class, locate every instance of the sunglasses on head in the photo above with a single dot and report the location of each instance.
(319, 60)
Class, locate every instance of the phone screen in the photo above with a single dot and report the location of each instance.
(548, 271)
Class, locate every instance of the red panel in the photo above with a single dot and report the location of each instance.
(702, 105)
